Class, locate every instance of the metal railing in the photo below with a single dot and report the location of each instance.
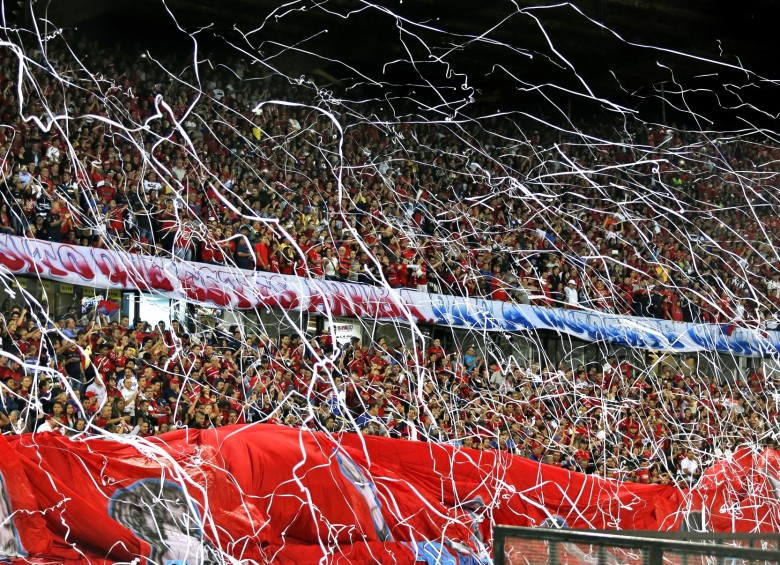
(537, 546)
(768, 540)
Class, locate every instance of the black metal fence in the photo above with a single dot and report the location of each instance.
(769, 540)
(541, 546)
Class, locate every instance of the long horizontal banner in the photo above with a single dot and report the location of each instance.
(227, 287)
(273, 494)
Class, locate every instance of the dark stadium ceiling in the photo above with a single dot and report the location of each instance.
(740, 34)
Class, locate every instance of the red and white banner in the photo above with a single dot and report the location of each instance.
(263, 493)
(226, 287)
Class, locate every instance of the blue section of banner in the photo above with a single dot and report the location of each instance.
(629, 331)
(433, 553)
(225, 287)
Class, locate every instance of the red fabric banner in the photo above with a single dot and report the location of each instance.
(267, 493)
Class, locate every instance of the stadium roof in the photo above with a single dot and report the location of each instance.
(505, 47)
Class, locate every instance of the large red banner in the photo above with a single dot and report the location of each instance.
(265, 493)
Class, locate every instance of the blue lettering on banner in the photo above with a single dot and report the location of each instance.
(515, 319)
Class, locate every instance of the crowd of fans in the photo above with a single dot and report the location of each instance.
(655, 423)
(632, 218)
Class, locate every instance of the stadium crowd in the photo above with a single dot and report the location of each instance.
(632, 219)
(658, 423)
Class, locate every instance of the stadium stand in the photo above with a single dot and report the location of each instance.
(663, 425)
(413, 211)
(709, 263)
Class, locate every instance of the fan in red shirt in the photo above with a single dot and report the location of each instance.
(104, 361)
(498, 286)
(315, 261)
(390, 272)
(437, 349)
(208, 250)
(213, 369)
(357, 364)
(262, 254)
(630, 429)
(404, 277)
(642, 475)
(582, 456)
(13, 370)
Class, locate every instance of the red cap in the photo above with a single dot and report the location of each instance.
(90, 394)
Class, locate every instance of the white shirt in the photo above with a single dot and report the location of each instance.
(127, 395)
(99, 390)
(497, 379)
(571, 295)
(178, 172)
(329, 266)
(413, 434)
(149, 185)
(47, 427)
(689, 466)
